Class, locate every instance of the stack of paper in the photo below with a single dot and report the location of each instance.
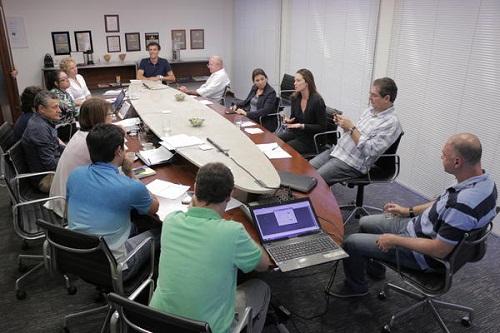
(205, 102)
(155, 156)
(180, 140)
(253, 130)
(166, 189)
(129, 122)
(168, 206)
(248, 123)
(114, 92)
(273, 150)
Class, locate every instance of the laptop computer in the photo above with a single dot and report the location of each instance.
(291, 234)
(117, 104)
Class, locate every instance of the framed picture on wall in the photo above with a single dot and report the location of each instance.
(179, 39)
(132, 41)
(113, 43)
(61, 43)
(112, 23)
(197, 39)
(151, 37)
(83, 41)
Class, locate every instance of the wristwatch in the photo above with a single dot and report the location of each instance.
(411, 213)
(352, 130)
(161, 77)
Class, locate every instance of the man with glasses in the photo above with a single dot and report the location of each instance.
(216, 83)
(361, 144)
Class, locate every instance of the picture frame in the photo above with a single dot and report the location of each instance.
(151, 37)
(179, 38)
(197, 39)
(61, 42)
(112, 23)
(132, 41)
(83, 41)
(113, 43)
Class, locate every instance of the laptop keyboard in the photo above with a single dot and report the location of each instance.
(301, 249)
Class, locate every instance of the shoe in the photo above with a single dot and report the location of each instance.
(341, 290)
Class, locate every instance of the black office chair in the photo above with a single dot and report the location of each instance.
(227, 93)
(27, 207)
(287, 88)
(7, 140)
(142, 318)
(430, 286)
(385, 170)
(326, 139)
(88, 257)
(272, 120)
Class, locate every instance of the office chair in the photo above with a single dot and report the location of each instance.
(7, 140)
(326, 139)
(88, 257)
(287, 87)
(227, 92)
(431, 285)
(385, 170)
(142, 318)
(27, 207)
(272, 120)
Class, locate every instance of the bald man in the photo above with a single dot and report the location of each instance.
(431, 229)
(218, 80)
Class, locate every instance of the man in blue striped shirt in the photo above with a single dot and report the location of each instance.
(361, 144)
(429, 230)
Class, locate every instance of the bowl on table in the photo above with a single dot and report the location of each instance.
(180, 97)
(196, 122)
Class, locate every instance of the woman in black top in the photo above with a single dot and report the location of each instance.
(308, 114)
(261, 100)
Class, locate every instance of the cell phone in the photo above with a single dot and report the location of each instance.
(231, 109)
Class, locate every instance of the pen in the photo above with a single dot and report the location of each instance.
(274, 148)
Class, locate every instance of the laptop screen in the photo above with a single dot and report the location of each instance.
(117, 104)
(285, 220)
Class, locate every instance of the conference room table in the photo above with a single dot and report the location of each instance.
(183, 171)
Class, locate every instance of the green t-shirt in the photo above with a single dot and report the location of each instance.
(200, 254)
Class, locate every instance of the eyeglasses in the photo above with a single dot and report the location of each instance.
(63, 79)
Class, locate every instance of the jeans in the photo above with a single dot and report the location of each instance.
(362, 246)
(256, 294)
(332, 169)
(137, 261)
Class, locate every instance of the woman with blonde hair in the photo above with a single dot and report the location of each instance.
(92, 112)
(78, 88)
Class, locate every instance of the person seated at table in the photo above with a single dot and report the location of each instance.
(27, 107)
(261, 99)
(432, 229)
(307, 116)
(42, 147)
(155, 68)
(216, 83)
(100, 199)
(58, 83)
(361, 144)
(200, 255)
(77, 85)
(92, 112)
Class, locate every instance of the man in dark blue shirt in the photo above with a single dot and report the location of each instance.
(155, 68)
(40, 143)
(27, 100)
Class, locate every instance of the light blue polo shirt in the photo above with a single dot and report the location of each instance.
(100, 200)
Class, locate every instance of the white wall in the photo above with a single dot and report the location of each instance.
(43, 17)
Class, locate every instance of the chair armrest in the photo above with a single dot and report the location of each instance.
(317, 135)
(286, 91)
(274, 114)
(134, 252)
(246, 320)
(25, 203)
(33, 174)
(140, 289)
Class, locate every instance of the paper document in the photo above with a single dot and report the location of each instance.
(273, 150)
(166, 189)
(112, 92)
(129, 122)
(248, 123)
(233, 203)
(205, 102)
(168, 206)
(253, 130)
(111, 100)
(180, 140)
(155, 156)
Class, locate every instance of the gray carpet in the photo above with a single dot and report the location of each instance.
(301, 292)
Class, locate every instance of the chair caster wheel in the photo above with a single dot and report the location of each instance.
(22, 268)
(382, 296)
(71, 290)
(20, 294)
(466, 322)
(386, 329)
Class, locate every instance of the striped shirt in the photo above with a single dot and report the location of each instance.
(378, 132)
(467, 206)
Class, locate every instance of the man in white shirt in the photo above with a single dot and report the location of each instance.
(216, 83)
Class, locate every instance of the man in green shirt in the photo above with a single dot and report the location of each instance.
(200, 255)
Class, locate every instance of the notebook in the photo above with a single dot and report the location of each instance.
(291, 234)
(296, 182)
